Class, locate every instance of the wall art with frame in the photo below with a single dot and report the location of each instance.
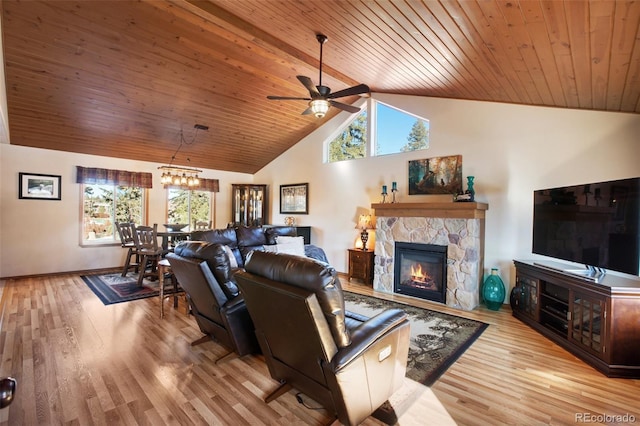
(35, 186)
(294, 198)
(438, 175)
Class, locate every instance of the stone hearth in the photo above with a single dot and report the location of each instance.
(459, 226)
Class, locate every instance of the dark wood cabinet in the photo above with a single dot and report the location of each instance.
(249, 204)
(361, 265)
(596, 321)
(305, 232)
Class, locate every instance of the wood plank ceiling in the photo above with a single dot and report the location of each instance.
(124, 78)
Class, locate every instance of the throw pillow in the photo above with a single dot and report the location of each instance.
(290, 245)
(233, 262)
(271, 248)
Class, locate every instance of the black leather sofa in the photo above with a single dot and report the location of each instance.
(244, 239)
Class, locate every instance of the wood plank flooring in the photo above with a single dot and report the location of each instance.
(79, 362)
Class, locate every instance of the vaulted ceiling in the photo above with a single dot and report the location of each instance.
(124, 78)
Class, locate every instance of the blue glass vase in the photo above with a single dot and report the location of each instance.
(493, 291)
(470, 190)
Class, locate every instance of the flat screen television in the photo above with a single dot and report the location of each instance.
(596, 224)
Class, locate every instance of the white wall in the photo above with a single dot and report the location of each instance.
(42, 236)
(511, 150)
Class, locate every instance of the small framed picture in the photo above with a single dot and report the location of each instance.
(34, 186)
(294, 198)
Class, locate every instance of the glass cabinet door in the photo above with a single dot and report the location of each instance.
(588, 316)
(526, 296)
(255, 211)
(248, 205)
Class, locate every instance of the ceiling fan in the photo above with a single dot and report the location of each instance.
(321, 97)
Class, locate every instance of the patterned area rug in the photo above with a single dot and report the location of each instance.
(114, 288)
(437, 339)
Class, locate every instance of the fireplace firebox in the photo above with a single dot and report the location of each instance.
(421, 270)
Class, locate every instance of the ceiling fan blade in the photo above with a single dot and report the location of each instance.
(355, 90)
(289, 98)
(307, 111)
(344, 107)
(306, 82)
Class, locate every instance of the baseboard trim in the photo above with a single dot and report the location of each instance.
(80, 272)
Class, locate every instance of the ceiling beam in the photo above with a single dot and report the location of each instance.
(215, 14)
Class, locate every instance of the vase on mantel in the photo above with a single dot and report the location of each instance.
(470, 190)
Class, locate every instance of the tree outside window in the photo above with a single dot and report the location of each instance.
(398, 131)
(104, 205)
(188, 206)
(352, 141)
(418, 138)
(394, 131)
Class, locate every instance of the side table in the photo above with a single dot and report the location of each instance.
(361, 265)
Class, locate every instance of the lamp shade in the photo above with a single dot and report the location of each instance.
(365, 222)
(319, 107)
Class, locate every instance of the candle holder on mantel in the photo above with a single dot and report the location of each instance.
(384, 194)
(394, 189)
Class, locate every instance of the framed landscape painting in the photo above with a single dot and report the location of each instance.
(34, 186)
(438, 175)
(294, 198)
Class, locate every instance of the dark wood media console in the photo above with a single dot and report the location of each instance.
(599, 322)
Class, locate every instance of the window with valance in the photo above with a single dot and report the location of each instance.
(110, 196)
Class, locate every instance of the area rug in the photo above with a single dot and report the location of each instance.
(114, 288)
(437, 339)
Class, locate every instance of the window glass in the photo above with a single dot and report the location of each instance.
(351, 142)
(188, 206)
(397, 131)
(104, 205)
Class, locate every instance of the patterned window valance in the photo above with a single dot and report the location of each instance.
(92, 175)
(211, 185)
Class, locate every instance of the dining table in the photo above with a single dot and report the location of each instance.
(171, 238)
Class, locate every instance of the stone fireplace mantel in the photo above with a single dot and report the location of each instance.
(458, 225)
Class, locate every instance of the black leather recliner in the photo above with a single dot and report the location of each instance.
(348, 363)
(202, 270)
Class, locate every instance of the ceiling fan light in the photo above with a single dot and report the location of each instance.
(319, 107)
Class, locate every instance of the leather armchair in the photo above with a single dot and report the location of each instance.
(202, 270)
(348, 363)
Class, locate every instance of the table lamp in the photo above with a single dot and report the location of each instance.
(364, 224)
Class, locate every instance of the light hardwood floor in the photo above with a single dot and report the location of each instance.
(80, 362)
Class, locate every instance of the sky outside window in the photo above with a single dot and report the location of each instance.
(393, 128)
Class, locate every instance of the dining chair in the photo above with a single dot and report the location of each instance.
(201, 225)
(146, 239)
(125, 231)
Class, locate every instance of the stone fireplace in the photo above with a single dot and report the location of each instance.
(457, 226)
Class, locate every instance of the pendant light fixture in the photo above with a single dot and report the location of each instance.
(179, 175)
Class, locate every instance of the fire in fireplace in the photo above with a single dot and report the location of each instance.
(421, 271)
